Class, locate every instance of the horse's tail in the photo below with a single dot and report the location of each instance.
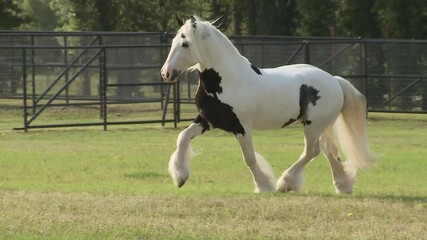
(350, 129)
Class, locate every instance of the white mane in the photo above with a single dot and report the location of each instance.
(209, 44)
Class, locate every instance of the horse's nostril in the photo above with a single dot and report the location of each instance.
(175, 74)
(167, 74)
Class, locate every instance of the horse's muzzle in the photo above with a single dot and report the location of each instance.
(169, 75)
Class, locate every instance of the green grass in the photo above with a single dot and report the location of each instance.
(84, 183)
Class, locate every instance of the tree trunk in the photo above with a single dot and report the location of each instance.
(252, 17)
(216, 11)
(237, 15)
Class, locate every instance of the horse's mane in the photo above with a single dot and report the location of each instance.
(204, 35)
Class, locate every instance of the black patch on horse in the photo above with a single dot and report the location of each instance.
(307, 94)
(201, 120)
(289, 122)
(256, 70)
(211, 109)
(212, 81)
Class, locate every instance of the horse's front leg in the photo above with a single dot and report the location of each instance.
(178, 164)
(262, 172)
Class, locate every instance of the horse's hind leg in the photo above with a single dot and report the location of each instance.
(178, 164)
(291, 179)
(342, 180)
(261, 171)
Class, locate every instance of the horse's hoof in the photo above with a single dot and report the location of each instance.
(289, 183)
(181, 183)
(178, 170)
(179, 179)
(283, 187)
(344, 186)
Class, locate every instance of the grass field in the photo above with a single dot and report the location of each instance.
(85, 183)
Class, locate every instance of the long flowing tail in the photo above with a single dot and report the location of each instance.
(350, 129)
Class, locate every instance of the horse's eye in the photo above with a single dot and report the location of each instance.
(185, 45)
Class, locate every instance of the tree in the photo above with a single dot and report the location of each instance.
(251, 20)
(357, 18)
(84, 15)
(315, 17)
(399, 19)
(167, 9)
(41, 16)
(11, 16)
(276, 17)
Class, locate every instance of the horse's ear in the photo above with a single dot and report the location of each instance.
(193, 23)
(179, 20)
(217, 22)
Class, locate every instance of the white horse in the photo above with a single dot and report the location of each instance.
(235, 96)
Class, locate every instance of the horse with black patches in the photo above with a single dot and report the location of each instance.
(237, 97)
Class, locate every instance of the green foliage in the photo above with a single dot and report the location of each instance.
(276, 17)
(84, 15)
(357, 18)
(10, 15)
(366, 18)
(117, 15)
(41, 15)
(399, 19)
(316, 17)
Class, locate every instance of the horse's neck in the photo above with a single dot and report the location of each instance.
(225, 60)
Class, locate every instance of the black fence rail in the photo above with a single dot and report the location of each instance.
(98, 70)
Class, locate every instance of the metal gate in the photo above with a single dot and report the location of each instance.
(103, 69)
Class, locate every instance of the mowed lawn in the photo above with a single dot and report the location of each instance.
(89, 184)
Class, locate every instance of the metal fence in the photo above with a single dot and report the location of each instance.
(391, 73)
(100, 69)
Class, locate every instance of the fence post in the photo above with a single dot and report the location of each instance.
(66, 64)
(163, 42)
(104, 87)
(365, 70)
(33, 77)
(103, 83)
(24, 88)
(176, 105)
(262, 55)
(307, 51)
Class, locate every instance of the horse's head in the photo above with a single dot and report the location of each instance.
(185, 48)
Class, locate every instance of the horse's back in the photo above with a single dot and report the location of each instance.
(295, 72)
(291, 92)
